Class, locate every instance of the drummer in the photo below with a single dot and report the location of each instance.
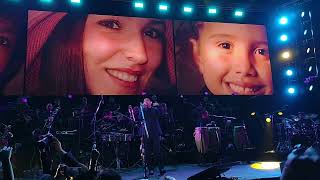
(201, 116)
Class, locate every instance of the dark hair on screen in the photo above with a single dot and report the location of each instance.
(19, 19)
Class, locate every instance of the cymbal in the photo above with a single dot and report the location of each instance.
(310, 116)
(295, 118)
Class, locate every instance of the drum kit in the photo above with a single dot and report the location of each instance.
(297, 129)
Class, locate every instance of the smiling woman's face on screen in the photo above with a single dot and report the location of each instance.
(233, 58)
(7, 41)
(121, 53)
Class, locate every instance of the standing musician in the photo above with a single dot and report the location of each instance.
(151, 134)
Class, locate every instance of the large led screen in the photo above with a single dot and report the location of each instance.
(12, 50)
(98, 54)
(222, 59)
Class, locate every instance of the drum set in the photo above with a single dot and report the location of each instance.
(301, 129)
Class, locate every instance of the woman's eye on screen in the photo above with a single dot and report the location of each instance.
(153, 33)
(110, 24)
(4, 41)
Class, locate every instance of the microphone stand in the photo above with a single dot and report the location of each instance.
(93, 122)
(142, 147)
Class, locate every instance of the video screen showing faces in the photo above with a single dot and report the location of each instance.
(98, 54)
(222, 59)
(12, 50)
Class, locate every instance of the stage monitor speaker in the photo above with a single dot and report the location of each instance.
(210, 173)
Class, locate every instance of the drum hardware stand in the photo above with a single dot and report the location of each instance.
(117, 160)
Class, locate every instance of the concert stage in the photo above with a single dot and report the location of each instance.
(240, 171)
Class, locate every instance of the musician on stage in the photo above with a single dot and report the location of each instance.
(151, 135)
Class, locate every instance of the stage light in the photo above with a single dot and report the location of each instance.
(310, 87)
(75, 1)
(265, 165)
(163, 7)
(310, 68)
(212, 11)
(280, 113)
(187, 9)
(286, 54)
(291, 90)
(302, 14)
(268, 119)
(283, 20)
(238, 13)
(253, 113)
(138, 5)
(310, 14)
(289, 72)
(305, 32)
(284, 37)
(46, 1)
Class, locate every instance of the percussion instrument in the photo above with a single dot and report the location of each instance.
(241, 140)
(201, 137)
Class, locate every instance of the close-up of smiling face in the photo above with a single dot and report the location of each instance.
(7, 41)
(233, 58)
(121, 54)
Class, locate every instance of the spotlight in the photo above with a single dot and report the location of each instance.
(284, 37)
(253, 113)
(268, 119)
(291, 90)
(283, 20)
(187, 9)
(163, 7)
(280, 113)
(46, 1)
(305, 32)
(302, 14)
(310, 87)
(265, 165)
(310, 68)
(212, 11)
(289, 72)
(75, 1)
(286, 55)
(238, 13)
(138, 5)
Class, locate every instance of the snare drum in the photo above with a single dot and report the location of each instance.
(201, 138)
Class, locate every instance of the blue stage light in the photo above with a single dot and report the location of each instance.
(212, 11)
(283, 20)
(238, 13)
(291, 90)
(163, 7)
(289, 72)
(138, 5)
(284, 37)
(310, 87)
(75, 1)
(187, 9)
(46, 1)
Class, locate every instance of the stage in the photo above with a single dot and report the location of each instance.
(240, 171)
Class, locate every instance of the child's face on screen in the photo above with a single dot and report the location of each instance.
(7, 41)
(121, 54)
(233, 58)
